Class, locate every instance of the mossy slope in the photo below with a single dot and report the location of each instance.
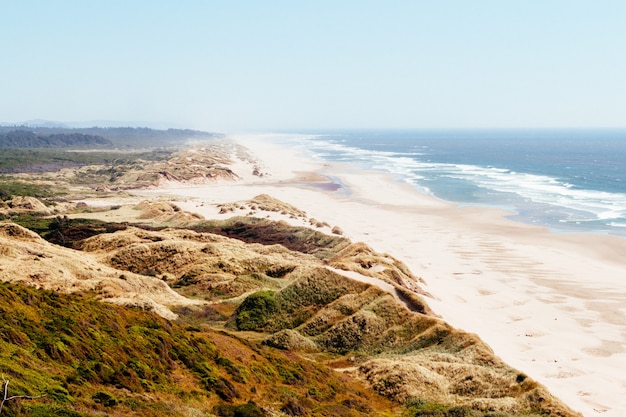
(86, 357)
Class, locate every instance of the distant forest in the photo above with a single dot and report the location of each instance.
(96, 137)
(29, 139)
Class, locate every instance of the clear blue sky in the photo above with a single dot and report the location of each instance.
(241, 65)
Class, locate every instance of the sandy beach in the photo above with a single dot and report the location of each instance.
(552, 305)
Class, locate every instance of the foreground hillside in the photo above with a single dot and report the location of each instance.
(79, 357)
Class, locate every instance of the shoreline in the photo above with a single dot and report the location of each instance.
(549, 304)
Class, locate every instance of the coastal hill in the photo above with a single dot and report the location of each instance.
(29, 139)
(26, 136)
(146, 309)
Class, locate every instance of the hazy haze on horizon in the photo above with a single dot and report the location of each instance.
(246, 65)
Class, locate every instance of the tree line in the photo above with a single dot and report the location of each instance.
(122, 137)
(29, 139)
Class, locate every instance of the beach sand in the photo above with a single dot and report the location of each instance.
(552, 305)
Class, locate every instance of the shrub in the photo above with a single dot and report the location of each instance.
(256, 310)
(104, 398)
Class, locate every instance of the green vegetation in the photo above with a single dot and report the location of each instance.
(138, 137)
(27, 139)
(323, 312)
(66, 346)
(10, 187)
(292, 306)
(128, 137)
(63, 230)
(48, 160)
(85, 358)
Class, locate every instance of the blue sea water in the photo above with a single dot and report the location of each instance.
(566, 180)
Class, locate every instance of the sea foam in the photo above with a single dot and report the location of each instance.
(551, 178)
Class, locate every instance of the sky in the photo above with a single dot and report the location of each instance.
(268, 65)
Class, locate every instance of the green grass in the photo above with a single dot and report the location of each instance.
(43, 160)
(88, 358)
(293, 305)
(256, 310)
(10, 187)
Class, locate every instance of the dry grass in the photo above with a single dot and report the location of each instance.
(359, 257)
(403, 354)
(201, 164)
(199, 265)
(266, 203)
(458, 382)
(291, 340)
(267, 232)
(24, 204)
(165, 213)
(37, 263)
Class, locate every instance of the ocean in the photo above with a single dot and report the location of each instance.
(565, 180)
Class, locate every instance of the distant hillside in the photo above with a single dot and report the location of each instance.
(122, 156)
(29, 139)
(131, 137)
(144, 137)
